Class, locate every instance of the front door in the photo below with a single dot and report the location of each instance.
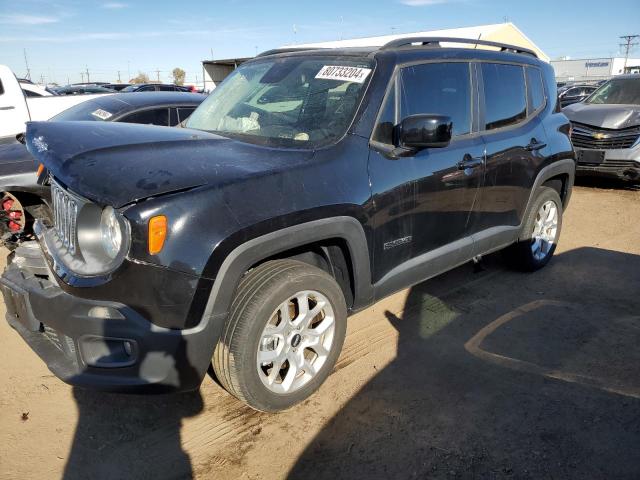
(424, 202)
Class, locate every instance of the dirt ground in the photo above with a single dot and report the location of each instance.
(489, 374)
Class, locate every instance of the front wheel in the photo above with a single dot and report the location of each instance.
(283, 336)
(541, 232)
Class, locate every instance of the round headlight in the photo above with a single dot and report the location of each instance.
(111, 232)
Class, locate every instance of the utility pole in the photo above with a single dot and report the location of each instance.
(119, 81)
(628, 45)
(82, 77)
(26, 62)
(158, 74)
(87, 69)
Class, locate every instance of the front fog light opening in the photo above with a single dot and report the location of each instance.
(111, 232)
(108, 352)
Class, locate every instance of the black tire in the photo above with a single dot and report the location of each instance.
(520, 254)
(259, 294)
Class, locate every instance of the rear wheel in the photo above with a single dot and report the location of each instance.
(285, 331)
(542, 230)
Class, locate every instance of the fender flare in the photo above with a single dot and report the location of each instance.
(566, 166)
(242, 257)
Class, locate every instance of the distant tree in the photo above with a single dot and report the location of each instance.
(178, 76)
(141, 78)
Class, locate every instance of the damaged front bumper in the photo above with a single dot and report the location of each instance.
(623, 164)
(97, 344)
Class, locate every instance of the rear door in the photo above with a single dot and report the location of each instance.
(511, 99)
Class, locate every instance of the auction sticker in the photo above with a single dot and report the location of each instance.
(342, 73)
(101, 114)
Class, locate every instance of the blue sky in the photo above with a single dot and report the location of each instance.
(63, 37)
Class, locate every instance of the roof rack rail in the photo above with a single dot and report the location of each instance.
(275, 51)
(435, 42)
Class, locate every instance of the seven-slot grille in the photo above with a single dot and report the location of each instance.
(65, 211)
(587, 136)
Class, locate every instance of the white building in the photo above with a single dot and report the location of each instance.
(215, 71)
(586, 69)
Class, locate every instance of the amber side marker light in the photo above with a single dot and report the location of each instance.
(157, 233)
(40, 170)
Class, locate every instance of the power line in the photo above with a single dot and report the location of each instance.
(628, 45)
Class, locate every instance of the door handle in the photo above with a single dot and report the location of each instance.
(535, 145)
(7, 108)
(470, 162)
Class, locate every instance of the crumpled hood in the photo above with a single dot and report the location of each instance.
(116, 163)
(604, 116)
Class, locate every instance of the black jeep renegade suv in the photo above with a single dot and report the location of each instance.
(309, 185)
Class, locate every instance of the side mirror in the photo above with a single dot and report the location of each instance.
(424, 131)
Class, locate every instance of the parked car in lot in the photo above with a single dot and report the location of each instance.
(155, 87)
(606, 129)
(116, 86)
(30, 89)
(22, 199)
(309, 184)
(82, 89)
(16, 108)
(575, 94)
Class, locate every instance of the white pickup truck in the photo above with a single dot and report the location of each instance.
(16, 109)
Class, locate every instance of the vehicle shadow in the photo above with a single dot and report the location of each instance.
(122, 436)
(607, 183)
(507, 376)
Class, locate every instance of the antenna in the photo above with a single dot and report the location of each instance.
(628, 45)
(26, 62)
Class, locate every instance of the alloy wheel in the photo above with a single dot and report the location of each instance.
(296, 342)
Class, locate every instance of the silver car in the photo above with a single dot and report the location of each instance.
(606, 129)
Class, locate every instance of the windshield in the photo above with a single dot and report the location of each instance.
(99, 110)
(624, 91)
(300, 102)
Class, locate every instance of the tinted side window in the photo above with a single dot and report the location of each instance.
(148, 88)
(184, 112)
(166, 88)
(535, 88)
(504, 95)
(440, 88)
(158, 116)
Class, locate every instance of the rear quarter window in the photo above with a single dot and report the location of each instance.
(535, 89)
(504, 95)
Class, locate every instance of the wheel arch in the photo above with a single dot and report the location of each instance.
(305, 241)
(563, 170)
